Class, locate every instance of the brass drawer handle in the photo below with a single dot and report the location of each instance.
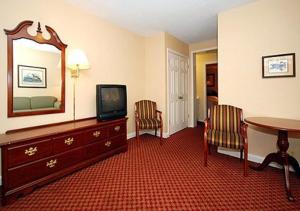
(108, 143)
(96, 134)
(69, 141)
(117, 128)
(31, 151)
(51, 163)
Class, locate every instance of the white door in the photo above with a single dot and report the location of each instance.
(178, 96)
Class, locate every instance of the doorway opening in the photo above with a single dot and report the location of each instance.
(211, 85)
(206, 82)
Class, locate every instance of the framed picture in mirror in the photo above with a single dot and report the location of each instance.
(32, 77)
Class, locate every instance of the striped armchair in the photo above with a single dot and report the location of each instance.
(224, 127)
(147, 117)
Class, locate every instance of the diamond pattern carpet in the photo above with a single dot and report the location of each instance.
(171, 176)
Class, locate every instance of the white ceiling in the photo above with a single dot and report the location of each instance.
(188, 20)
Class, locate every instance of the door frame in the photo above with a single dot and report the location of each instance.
(192, 87)
(169, 50)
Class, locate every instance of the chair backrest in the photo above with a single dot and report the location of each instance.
(225, 118)
(146, 109)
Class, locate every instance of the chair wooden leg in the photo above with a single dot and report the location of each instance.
(205, 152)
(137, 133)
(246, 161)
(155, 131)
(161, 134)
(241, 155)
(209, 149)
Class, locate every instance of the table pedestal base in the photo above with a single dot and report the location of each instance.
(282, 158)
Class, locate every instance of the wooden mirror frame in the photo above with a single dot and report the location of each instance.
(21, 31)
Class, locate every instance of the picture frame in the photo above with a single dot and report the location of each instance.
(281, 65)
(32, 77)
(210, 80)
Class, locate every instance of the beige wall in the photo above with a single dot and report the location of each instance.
(116, 56)
(201, 60)
(156, 68)
(247, 33)
(33, 57)
(155, 79)
(176, 44)
(208, 44)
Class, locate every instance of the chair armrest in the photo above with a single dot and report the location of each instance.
(206, 125)
(244, 128)
(159, 114)
(136, 115)
(57, 104)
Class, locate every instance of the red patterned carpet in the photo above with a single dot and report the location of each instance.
(171, 176)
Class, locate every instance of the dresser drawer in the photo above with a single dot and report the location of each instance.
(70, 158)
(25, 153)
(27, 173)
(115, 142)
(67, 142)
(96, 149)
(116, 130)
(96, 134)
(21, 175)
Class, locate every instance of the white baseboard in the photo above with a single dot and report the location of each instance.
(251, 157)
(132, 134)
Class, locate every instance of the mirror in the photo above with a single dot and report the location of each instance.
(36, 72)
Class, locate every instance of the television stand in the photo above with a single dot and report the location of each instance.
(33, 157)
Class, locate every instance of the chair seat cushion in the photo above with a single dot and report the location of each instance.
(226, 139)
(148, 123)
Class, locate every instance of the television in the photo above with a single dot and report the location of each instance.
(111, 100)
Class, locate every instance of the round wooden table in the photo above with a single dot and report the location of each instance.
(283, 126)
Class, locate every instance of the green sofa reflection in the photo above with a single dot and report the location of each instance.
(22, 104)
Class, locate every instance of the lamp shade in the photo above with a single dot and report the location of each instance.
(77, 60)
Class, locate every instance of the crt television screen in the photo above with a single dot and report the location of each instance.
(113, 99)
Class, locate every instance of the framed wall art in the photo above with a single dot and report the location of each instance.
(210, 80)
(32, 77)
(282, 65)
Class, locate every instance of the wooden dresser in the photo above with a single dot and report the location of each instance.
(36, 156)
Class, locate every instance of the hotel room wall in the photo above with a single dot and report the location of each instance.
(156, 68)
(115, 54)
(247, 33)
(154, 72)
(176, 44)
(208, 44)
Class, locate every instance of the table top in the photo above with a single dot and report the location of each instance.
(291, 125)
